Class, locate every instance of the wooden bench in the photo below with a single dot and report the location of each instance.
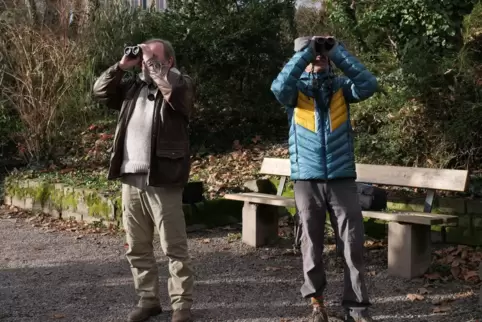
(409, 233)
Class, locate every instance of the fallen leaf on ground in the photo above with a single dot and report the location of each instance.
(455, 271)
(272, 268)
(415, 297)
(423, 291)
(470, 274)
(206, 241)
(433, 276)
(456, 262)
(79, 237)
(441, 309)
(58, 316)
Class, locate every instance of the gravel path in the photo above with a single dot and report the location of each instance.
(46, 276)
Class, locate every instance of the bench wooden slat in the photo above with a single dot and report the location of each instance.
(436, 179)
(426, 178)
(419, 218)
(262, 198)
(276, 167)
(405, 217)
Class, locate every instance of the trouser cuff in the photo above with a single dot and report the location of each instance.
(182, 306)
(148, 303)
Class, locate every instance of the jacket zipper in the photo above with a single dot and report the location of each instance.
(293, 122)
(323, 141)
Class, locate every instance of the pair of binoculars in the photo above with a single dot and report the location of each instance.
(133, 51)
(324, 44)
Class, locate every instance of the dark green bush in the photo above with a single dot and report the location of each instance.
(425, 54)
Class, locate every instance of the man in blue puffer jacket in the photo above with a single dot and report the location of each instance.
(323, 163)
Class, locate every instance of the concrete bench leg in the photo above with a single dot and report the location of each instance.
(409, 249)
(260, 224)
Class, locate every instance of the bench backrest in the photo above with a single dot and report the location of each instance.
(426, 178)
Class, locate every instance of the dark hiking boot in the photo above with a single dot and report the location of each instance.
(366, 318)
(141, 314)
(319, 315)
(182, 316)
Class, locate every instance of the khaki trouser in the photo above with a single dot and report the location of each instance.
(145, 209)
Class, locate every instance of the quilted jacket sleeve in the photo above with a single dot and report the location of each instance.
(284, 86)
(358, 83)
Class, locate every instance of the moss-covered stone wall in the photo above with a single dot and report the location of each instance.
(92, 205)
(62, 201)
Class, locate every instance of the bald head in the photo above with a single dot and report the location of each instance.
(162, 50)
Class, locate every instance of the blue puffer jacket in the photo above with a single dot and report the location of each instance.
(320, 136)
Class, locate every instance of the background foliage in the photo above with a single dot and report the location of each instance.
(426, 55)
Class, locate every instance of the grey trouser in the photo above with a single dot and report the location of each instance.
(340, 199)
(145, 209)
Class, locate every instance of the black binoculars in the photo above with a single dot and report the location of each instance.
(324, 44)
(133, 51)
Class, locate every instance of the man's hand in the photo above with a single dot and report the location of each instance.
(147, 53)
(127, 63)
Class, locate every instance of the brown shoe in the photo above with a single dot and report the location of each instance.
(183, 315)
(140, 314)
(319, 315)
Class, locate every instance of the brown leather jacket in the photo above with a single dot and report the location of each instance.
(170, 154)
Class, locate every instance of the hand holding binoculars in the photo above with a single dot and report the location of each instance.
(323, 44)
(133, 51)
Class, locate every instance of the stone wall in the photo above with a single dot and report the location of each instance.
(469, 211)
(63, 201)
(90, 205)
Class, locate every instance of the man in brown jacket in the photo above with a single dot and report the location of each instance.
(151, 157)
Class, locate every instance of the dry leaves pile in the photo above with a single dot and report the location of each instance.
(228, 172)
(461, 263)
(372, 244)
(439, 306)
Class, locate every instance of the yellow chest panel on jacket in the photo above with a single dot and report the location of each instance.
(305, 111)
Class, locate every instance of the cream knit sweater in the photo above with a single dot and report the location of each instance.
(137, 143)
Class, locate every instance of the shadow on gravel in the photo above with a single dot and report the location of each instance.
(228, 287)
(77, 291)
(235, 284)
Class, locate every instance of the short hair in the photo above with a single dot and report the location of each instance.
(168, 48)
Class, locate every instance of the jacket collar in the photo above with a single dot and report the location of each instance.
(321, 76)
(312, 82)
